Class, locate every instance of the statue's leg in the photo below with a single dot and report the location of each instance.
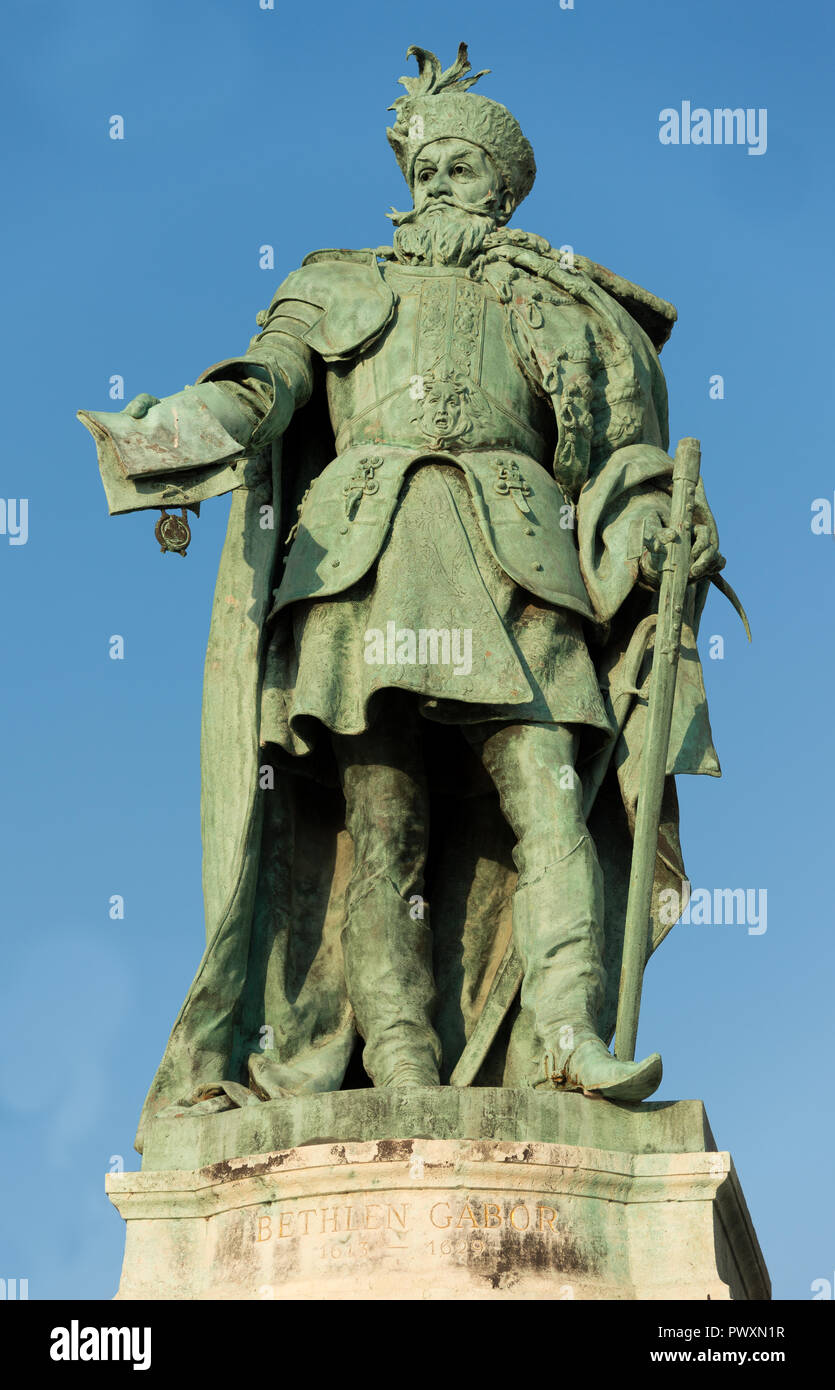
(558, 907)
(386, 941)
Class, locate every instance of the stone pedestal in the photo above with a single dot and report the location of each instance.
(658, 1213)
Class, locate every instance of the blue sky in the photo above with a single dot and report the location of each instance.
(140, 258)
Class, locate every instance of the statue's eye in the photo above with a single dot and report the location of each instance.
(424, 176)
(461, 169)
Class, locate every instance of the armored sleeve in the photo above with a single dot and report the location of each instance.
(328, 309)
(275, 376)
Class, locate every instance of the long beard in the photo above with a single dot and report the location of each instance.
(442, 233)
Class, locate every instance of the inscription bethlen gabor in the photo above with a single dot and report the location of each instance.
(446, 1215)
(418, 421)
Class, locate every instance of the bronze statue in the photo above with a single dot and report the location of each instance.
(427, 674)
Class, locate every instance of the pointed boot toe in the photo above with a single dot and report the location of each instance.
(593, 1070)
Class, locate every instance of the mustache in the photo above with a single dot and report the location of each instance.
(483, 208)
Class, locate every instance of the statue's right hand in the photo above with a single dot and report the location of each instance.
(140, 405)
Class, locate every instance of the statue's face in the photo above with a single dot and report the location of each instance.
(455, 169)
(459, 201)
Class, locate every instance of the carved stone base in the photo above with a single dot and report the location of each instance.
(448, 1218)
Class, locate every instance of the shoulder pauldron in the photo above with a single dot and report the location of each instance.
(354, 301)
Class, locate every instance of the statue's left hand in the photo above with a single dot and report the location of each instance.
(656, 536)
(704, 556)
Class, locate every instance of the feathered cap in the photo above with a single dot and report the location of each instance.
(438, 105)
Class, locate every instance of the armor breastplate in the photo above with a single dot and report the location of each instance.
(443, 376)
(443, 382)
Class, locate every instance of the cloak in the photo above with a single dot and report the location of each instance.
(267, 1014)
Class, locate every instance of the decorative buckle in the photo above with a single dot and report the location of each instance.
(510, 482)
(362, 484)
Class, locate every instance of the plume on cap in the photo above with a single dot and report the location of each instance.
(438, 105)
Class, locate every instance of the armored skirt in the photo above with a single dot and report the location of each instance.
(436, 616)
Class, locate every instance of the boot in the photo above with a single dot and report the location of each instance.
(592, 1069)
(388, 972)
(557, 928)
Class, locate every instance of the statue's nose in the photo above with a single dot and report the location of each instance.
(439, 184)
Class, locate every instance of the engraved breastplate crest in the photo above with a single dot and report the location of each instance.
(448, 404)
(449, 401)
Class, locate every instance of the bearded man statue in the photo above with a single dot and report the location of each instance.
(424, 709)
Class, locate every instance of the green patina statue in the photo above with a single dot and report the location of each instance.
(426, 683)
